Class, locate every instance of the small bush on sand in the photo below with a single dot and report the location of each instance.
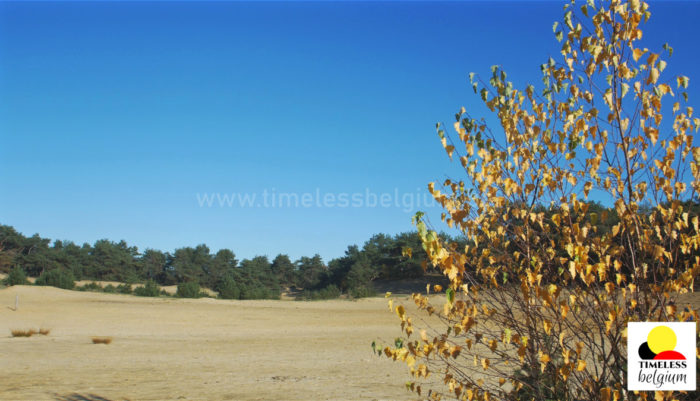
(258, 291)
(93, 286)
(362, 292)
(30, 332)
(150, 289)
(23, 333)
(328, 292)
(189, 290)
(57, 278)
(124, 288)
(16, 277)
(101, 340)
(228, 289)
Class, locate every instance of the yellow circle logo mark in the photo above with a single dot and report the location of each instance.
(660, 339)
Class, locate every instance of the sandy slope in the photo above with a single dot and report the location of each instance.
(194, 349)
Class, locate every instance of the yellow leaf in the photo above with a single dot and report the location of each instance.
(522, 352)
(634, 5)
(587, 188)
(547, 326)
(400, 311)
(637, 54)
(615, 230)
(485, 363)
(608, 97)
(652, 133)
(470, 394)
(493, 344)
(410, 360)
(564, 310)
(653, 76)
(581, 365)
(544, 360)
(609, 287)
(424, 335)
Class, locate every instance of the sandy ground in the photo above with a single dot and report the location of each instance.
(198, 349)
(204, 349)
(170, 289)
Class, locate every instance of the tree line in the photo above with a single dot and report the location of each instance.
(382, 257)
(60, 263)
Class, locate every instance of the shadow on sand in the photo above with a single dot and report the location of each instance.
(81, 397)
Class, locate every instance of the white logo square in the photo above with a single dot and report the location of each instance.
(661, 356)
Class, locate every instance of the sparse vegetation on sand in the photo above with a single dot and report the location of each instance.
(23, 333)
(29, 332)
(102, 340)
(157, 341)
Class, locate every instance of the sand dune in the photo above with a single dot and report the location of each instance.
(204, 349)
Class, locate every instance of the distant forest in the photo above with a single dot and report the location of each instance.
(60, 263)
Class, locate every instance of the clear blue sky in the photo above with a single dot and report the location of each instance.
(115, 116)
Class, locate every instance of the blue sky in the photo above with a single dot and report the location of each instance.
(116, 117)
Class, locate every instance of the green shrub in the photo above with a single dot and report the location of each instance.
(188, 290)
(150, 289)
(228, 289)
(258, 291)
(57, 278)
(124, 288)
(16, 277)
(90, 287)
(110, 288)
(254, 292)
(329, 292)
(362, 292)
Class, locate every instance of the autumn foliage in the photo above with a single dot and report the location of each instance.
(540, 296)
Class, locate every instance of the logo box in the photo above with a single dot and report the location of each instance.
(661, 356)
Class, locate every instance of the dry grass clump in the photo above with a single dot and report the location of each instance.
(23, 333)
(30, 332)
(101, 340)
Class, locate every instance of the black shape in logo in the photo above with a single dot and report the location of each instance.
(645, 352)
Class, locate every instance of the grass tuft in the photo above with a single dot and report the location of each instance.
(101, 340)
(23, 333)
(44, 332)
